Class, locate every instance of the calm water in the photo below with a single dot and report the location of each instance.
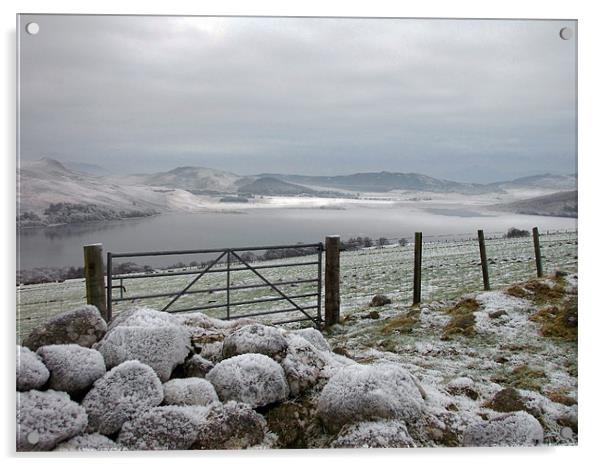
(62, 246)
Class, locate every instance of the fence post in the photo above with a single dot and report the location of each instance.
(537, 252)
(332, 297)
(228, 261)
(95, 280)
(484, 264)
(417, 267)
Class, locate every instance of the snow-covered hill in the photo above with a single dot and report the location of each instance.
(47, 181)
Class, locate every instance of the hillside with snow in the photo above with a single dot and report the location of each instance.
(45, 182)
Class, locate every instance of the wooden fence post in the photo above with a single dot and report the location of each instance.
(484, 264)
(538, 263)
(417, 267)
(332, 297)
(95, 279)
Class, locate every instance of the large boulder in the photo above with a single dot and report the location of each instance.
(143, 317)
(83, 326)
(365, 393)
(231, 426)
(161, 348)
(255, 338)
(31, 371)
(162, 428)
(89, 442)
(73, 368)
(518, 429)
(189, 392)
(379, 300)
(197, 366)
(44, 419)
(249, 378)
(123, 393)
(314, 337)
(302, 364)
(381, 434)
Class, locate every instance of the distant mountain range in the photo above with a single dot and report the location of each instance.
(562, 204)
(386, 181)
(48, 181)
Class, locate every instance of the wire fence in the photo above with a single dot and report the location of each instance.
(450, 267)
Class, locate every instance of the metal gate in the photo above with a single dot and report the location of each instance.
(306, 262)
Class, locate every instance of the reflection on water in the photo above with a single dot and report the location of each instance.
(67, 231)
(62, 246)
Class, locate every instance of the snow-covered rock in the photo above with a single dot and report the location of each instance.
(302, 364)
(207, 342)
(31, 371)
(231, 426)
(162, 428)
(250, 378)
(89, 442)
(376, 434)
(83, 326)
(44, 419)
(211, 351)
(314, 337)
(188, 392)
(364, 393)
(197, 366)
(143, 317)
(162, 348)
(73, 368)
(122, 394)
(518, 429)
(255, 338)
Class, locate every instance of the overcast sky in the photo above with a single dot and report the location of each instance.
(464, 100)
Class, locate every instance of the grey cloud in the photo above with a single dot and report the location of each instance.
(466, 100)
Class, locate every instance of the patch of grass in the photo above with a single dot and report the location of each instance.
(539, 292)
(506, 401)
(403, 323)
(464, 306)
(523, 377)
(558, 321)
(560, 396)
(463, 319)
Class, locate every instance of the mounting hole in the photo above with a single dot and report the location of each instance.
(33, 437)
(32, 28)
(566, 33)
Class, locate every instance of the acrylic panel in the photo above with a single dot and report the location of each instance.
(295, 232)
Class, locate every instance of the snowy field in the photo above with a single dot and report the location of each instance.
(450, 269)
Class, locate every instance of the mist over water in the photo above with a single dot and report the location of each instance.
(62, 246)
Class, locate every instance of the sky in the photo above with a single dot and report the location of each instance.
(465, 100)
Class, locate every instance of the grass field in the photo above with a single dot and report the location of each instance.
(450, 269)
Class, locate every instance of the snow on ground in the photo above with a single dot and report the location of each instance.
(461, 374)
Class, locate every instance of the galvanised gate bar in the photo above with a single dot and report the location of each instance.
(228, 262)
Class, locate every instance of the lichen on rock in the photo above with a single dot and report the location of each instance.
(230, 426)
(255, 338)
(83, 326)
(302, 364)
